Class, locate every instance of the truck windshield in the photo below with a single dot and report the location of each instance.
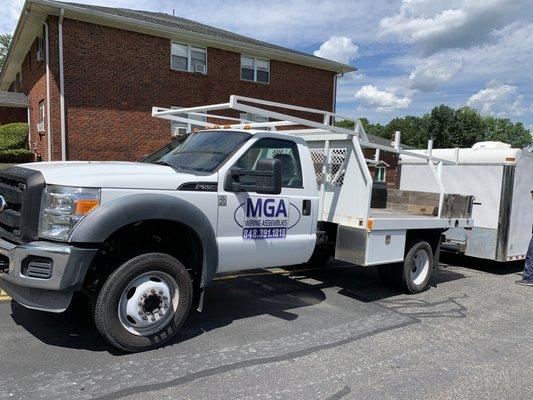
(205, 151)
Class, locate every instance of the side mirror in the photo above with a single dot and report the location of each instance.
(266, 179)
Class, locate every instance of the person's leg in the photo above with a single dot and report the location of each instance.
(528, 268)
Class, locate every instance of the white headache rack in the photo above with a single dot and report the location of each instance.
(342, 171)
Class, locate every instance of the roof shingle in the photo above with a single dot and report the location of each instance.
(12, 99)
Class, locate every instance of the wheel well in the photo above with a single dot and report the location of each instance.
(147, 236)
(432, 236)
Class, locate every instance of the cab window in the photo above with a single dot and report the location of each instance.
(284, 150)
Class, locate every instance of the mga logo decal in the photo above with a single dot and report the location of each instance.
(266, 217)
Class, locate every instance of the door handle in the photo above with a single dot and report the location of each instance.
(306, 207)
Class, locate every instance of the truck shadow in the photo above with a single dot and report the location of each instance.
(479, 264)
(279, 293)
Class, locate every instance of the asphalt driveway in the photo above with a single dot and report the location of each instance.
(296, 334)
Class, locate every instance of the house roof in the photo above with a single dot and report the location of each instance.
(153, 23)
(16, 100)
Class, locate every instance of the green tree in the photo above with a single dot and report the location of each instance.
(345, 123)
(468, 128)
(504, 130)
(374, 129)
(414, 130)
(5, 42)
(441, 121)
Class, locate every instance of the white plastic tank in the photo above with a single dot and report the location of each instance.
(491, 145)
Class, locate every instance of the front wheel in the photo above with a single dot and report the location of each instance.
(144, 302)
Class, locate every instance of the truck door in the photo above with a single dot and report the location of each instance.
(263, 230)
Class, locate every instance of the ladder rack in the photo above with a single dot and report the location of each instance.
(318, 132)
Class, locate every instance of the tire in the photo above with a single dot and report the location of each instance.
(144, 302)
(414, 274)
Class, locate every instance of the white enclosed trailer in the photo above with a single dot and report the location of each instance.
(501, 180)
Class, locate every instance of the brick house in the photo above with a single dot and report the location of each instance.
(91, 75)
(13, 107)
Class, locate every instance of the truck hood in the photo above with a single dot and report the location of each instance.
(123, 175)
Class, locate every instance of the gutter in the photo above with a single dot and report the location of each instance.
(62, 86)
(15, 37)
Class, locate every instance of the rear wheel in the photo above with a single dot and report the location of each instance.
(414, 274)
(144, 302)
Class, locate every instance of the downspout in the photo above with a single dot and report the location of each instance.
(29, 127)
(47, 58)
(334, 105)
(62, 87)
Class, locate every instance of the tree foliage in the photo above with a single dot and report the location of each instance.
(5, 41)
(450, 127)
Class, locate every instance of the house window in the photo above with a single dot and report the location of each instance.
(18, 82)
(247, 117)
(188, 58)
(41, 111)
(380, 174)
(255, 69)
(178, 128)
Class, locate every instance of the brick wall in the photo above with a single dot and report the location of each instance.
(11, 114)
(113, 78)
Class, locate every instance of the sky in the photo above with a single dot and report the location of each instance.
(411, 55)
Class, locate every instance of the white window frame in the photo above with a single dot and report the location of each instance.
(182, 125)
(42, 111)
(247, 117)
(189, 57)
(377, 173)
(255, 69)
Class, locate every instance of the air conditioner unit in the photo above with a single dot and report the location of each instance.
(40, 127)
(199, 68)
(40, 55)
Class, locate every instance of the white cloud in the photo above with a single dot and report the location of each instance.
(338, 48)
(381, 100)
(499, 99)
(437, 25)
(433, 72)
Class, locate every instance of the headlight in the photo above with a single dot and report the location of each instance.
(63, 207)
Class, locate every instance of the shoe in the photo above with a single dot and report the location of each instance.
(524, 282)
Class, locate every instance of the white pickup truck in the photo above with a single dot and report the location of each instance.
(144, 240)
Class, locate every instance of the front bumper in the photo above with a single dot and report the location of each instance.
(65, 268)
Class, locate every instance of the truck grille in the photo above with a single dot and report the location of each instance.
(21, 190)
(12, 192)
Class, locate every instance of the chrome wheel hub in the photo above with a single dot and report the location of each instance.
(148, 303)
(420, 267)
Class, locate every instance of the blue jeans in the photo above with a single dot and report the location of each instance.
(528, 269)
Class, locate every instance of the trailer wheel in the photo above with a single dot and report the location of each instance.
(143, 303)
(414, 274)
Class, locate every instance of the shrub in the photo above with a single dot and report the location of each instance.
(16, 156)
(14, 136)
